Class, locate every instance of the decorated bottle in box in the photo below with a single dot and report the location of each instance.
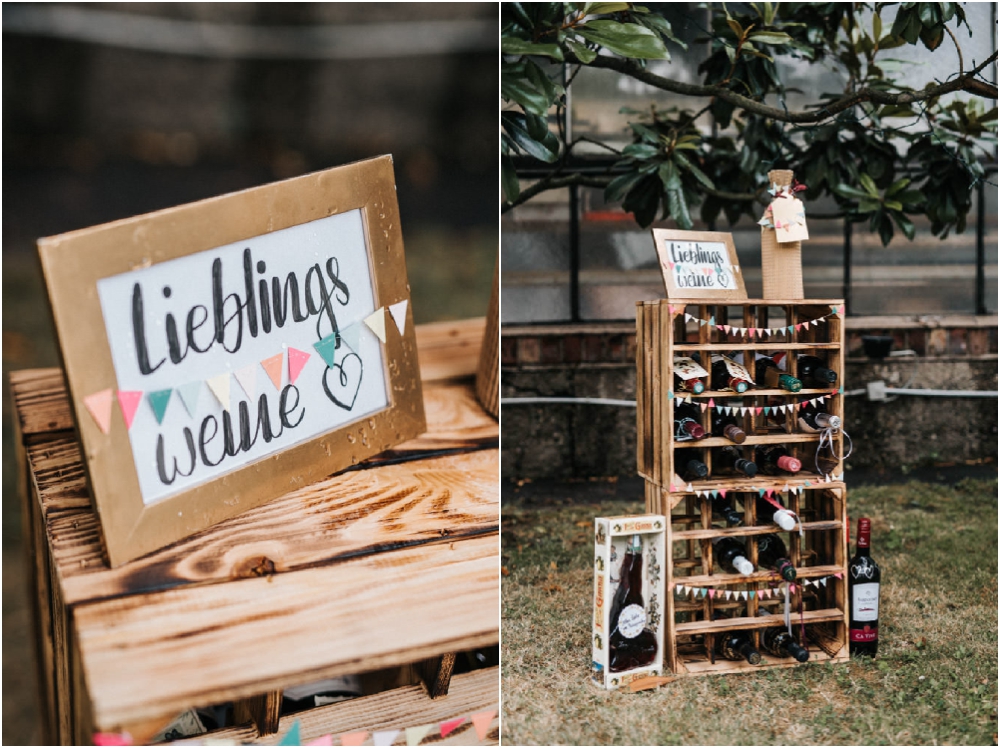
(627, 637)
(782, 230)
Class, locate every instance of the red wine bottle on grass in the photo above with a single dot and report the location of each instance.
(864, 579)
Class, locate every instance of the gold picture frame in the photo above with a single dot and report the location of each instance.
(710, 253)
(75, 263)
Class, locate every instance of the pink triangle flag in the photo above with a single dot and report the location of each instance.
(839, 575)
(353, 738)
(112, 738)
(722, 492)
(129, 402)
(670, 307)
(322, 740)
(99, 405)
(449, 726)
(296, 363)
(711, 592)
(798, 326)
(272, 367)
(672, 488)
(759, 410)
(711, 402)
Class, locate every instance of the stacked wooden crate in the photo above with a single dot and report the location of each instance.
(388, 569)
(712, 602)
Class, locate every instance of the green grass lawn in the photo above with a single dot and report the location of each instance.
(934, 681)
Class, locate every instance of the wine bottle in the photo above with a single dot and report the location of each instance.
(631, 644)
(695, 385)
(695, 470)
(731, 556)
(864, 578)
(813, 371)
(772, 554)
(723, 507)
(812, 421)
(686, 425)
(773, 459)
(778, 642)
(781, 517)
(737, 645)
(769, 375)
(723, 380)
(726, 426)
(731, 458)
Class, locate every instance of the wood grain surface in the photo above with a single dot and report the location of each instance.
(150, 654)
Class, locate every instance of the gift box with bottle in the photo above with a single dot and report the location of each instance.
(628, 599)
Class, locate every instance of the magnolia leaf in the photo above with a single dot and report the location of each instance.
(583, 53)
(510, 45)
(770, 37)
(625, 39)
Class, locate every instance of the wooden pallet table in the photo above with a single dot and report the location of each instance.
(393, 564)
(819, 553)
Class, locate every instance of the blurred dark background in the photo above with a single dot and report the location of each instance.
(112, 110)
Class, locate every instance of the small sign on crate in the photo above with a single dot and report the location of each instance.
(699, 264)
(628, 599)
(223, 353)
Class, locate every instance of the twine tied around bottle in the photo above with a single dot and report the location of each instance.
(828, 441)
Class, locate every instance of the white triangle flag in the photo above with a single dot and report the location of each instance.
(247, 377)
(680, 589)
(823, 581)
(690, 488)
(220, 388)
(398, 313)
(376, 323)
(728, 594)
(743, 594)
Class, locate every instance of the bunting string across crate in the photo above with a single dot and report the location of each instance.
(759, 332)
(723, 593)
(480, 721)
(744, 410)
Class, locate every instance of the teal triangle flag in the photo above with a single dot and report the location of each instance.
(753, 593)
(158, 402)
(190, 393)
(670, 395)
(760, 491)
(711, 320)
(351, 335)
(327, 348)
(292, 737)
(767, 411)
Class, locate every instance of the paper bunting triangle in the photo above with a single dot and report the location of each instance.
(296, 363)
(247, 377)
(688, 317)
(449, 726)
(415, 734)
(112, 738)
(482, 721)
(376, 323)
(690, 488)
(129, 403)
(322, 740)
(190, 393)
(220, 388)
(327, 348)
(293, 736)
(353, 738)
(351, 336)
(99, 406)
(670, 395)
(398, 313)
(711, 593)
(158, 402)
(272, 367)
(385, 737)
(670, 308)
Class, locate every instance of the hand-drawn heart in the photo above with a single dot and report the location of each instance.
(346, 381)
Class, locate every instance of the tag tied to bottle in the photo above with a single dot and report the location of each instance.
(632, 621)
(687, 368)
(736, 371)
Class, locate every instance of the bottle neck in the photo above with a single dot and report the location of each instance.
(864, 536)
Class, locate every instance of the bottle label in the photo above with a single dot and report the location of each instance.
(867, 634)
(736, 371)
(864, 602)
(688, 368)
(632, 621)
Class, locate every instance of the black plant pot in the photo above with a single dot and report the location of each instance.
(877, 346)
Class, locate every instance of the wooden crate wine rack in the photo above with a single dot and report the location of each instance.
(817, 545)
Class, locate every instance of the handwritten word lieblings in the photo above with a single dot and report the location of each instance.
(227, 331)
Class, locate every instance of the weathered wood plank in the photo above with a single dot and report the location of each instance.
(262, 711)
(471, 693)
(449, 349)
(435, 674)
(353, 513)
(270, 633)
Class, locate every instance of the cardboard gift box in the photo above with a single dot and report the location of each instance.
(626, 630)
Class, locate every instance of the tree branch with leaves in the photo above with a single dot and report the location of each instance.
(853, 144)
